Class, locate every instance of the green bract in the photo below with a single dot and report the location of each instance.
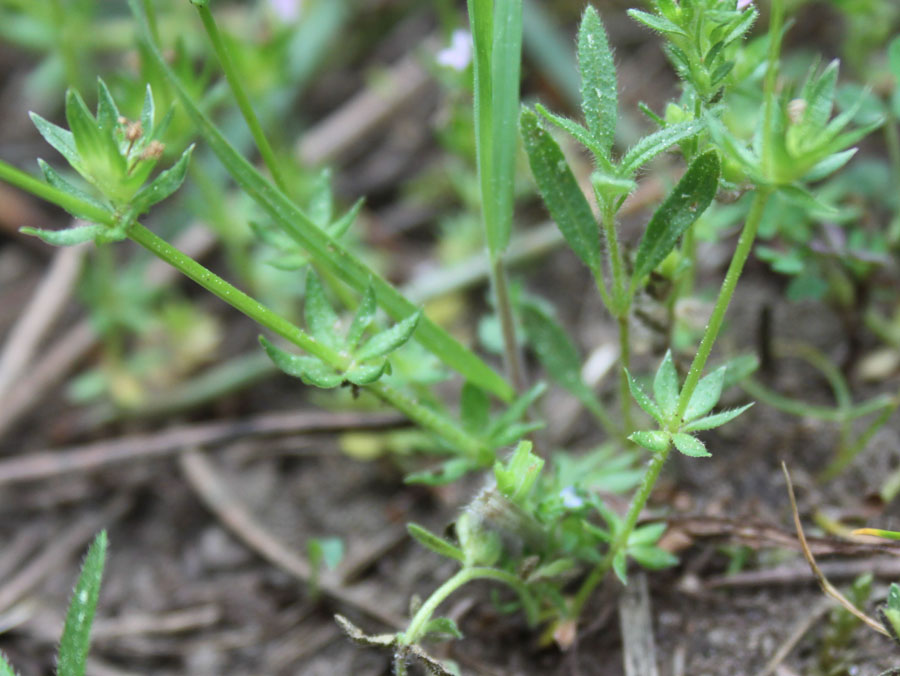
(664, 410)
(116, 157)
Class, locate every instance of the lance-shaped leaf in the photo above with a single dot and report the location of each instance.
(436, 544)
(57, 181)
(599, 96)
(69, 236)
(715, 420)
(580, 134)
(75, 641)
(653, 440)
(559, 189)
(366, 374)
(644, 401)
(387, 341)
(309, 369)
(657, 23)
(441, 627)
(516, 410)
(646, 535)
(97, 149)
(690, 445)
(365, 313)
(148, 114)
(657, 142)
(665, 386)
(475, 407)
(321, 319)
(706, 395)
(61, 139)
(163, 185)
(107, 112)
(654, 558)
(684, 205)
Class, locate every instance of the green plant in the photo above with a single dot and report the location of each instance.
(75, 642)
(540, 526)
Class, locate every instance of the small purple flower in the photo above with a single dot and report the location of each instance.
(458, 55)
(744, 4)
(287, 10)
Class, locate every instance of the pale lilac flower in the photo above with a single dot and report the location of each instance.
(744, 4)
(458, 55)
(570, 498)
(287, 10)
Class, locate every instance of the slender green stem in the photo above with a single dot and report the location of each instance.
(776, 22)
(422, 415)
(240, 95)
(465, 575)
(638, 502)
(846, 454)
(802, 409)
(625, 360)
(511, 354)
(744, 246)
(48, 193)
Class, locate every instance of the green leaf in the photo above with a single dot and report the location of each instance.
(436, 544)
(69, 236)
(513, 432)
(328, 551)
(599, 96)
(739, 367)
(657, 23)
(647, 535)
(475, 408)
(551, 570)
(365, 313)
(61, 139)
(328, 253)
(57, 181)
(320, 317)
(690, 445)
(97, 149)
(748, 18)
(5, 667)
(516, 479)
(342, 225)
(517, 409)
(653, 440)
(148, 113)
(684, 205)
(653, 558)
(559, 189)
(644, 401)
(715, 420)
(657, 142)
(442, 626)
(579, 133)
(830, 165)
(309, 369)
(389, 340)
(611, 187)
(706, 395)
(366, 374)
(75, 641)
(665, 386)
(163, 185)
(445, 473)
(107, 112)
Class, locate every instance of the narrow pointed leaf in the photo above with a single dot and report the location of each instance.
(436, 544)
(559, 189)
(665, 386)
(342, 225)
(366, 374)
(579, 133)
(657, 23)
(442, 627)
(75, 641)
(599, 95)
(163, 185)
(657, 142)
(514, 432)
(61, 139)
(365, 313)
(148, 113)
(320, 317)
(706, 395)
(684, 205)
(690, 445)
(447, 472)
(69, 236)
(517, 409)
(620, 567)
(715, 420)
(107, 112)
(646, 535)
(309, 369)
(748, 18)
(653, 440)
(57, 181)
(98, 149)
(387, 341)
(644, 401)
(653, 558)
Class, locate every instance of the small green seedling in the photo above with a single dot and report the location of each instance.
(76, 637)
